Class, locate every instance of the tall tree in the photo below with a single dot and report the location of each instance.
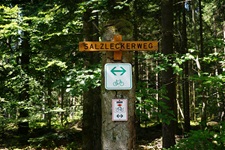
(168, 78)
(91, 133)
(201, 48)
(186, 97)
(24, 60)
(118, 135)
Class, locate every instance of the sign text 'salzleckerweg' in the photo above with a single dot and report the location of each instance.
(120, 45)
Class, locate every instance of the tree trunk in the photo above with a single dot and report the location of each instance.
(201, 31)
(23, 126)
(49, 105)
(136, 63)
(91, 132)
(186, 97)
(117, 135)
(91, 128)
(61, 98)
(193, 9)
(168, 78)
(224, 36)
(204, 97)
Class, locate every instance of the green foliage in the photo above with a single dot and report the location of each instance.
(82, 79)
(9, 21)
(66, 139)
(53, 30)
(147, 102)
(203, 139)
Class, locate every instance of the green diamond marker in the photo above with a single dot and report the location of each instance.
(122, 71)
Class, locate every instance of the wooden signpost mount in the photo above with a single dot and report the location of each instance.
(118, 54)
(119, 93)
(118, 46)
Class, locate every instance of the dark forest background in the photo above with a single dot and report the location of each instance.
(45, 81)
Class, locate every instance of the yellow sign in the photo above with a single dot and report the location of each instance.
(119, 45)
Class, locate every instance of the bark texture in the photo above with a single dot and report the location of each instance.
(168, 78)
(117, 135)
(91, 128)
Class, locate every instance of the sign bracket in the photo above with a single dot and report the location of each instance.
(118, 54)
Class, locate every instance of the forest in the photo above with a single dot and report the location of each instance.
(53, 96)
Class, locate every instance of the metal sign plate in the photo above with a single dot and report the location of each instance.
(118, 76)
(119, 110)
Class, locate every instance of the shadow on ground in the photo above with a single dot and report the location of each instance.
(70, 138)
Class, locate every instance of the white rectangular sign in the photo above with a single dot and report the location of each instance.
(118, 76)
(119, 110)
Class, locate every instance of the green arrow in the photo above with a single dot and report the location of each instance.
(122, 71)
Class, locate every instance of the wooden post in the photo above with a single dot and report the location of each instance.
(117, 54)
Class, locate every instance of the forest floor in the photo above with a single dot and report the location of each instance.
(71, 138)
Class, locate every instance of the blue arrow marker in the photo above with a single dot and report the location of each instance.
(122, 71)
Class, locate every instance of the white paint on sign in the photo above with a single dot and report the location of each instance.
(119, 110)
(118, 76)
